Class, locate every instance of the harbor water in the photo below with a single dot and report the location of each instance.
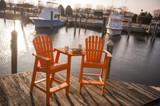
(135, 59)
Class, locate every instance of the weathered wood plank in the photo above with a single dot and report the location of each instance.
(121, 91)
(26, 84)
(15, 91)
(5, 100)
(38, 96)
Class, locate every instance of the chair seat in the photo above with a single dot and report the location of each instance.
(89, 64)
(54, 68)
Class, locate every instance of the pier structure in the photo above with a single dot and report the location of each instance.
(15, 92)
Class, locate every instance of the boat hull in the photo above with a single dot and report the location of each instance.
(47, 23)
(114, 31)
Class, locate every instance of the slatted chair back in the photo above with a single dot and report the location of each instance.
(43, 47)
(94, 48)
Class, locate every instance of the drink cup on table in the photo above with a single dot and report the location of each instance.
(66, 48)
(80, 46)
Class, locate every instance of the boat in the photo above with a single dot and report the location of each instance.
(44, 19)
(114, 26)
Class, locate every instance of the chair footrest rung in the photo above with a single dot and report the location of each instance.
(91, 74)
(40, 88)
(58, 87)
(57, 81)
(92, 82)
(39, 81)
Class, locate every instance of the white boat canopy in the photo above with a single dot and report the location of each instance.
(115, 18)
(46, 14)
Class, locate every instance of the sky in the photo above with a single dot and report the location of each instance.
(134, 6)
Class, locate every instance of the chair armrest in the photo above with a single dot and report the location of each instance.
(41, 57)
(54, 50)
(108, 53)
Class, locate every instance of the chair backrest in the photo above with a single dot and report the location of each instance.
(94, 48)
(43, 47)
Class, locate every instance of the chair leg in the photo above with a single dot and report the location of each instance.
(52, 79)
(80, 78)
(68, 75)
(34, 75)
(47, 88)
(67, 80)
(104, 80)
(80, 88)
(81, 69)
(103, 88)
(33, 80)
(101, 73)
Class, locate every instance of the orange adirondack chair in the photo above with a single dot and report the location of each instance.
(94, 51)
(44, 62)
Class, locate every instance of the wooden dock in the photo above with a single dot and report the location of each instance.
(14, 91)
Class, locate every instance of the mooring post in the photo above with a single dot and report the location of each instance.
(149, 29)
(110, 45)
(14, 11)
(153, 37)
(22, 16)
(14, 16)
(80, 21)
(129, 28)
(5, 16)
(86, 21)
(104, 26)
(58, 21)
(75, 21)
(51, 27)
(67, 21)
(13, 52)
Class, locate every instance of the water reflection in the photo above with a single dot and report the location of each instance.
(135, 59)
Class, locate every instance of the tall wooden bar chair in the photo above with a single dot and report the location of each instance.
(94, 51)
(44, 62)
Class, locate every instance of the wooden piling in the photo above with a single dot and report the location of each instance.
(80, 21)
(104, 26)
(67, 21)
(51, 27)
(149, 31)
(110, 45)
(13, 52)
(86, 20)
(14, 11)
(22, 16)
(14, 16)
(129, 28)
(5, 16)
(154, 32)
(75, 22)
(58, 21)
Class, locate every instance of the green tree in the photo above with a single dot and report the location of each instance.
(134, 18)
(144, 18)
(149, 15)
(69, 10)
(2, 4)
(61, 9)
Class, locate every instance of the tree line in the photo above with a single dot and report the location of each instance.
(142, 18)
